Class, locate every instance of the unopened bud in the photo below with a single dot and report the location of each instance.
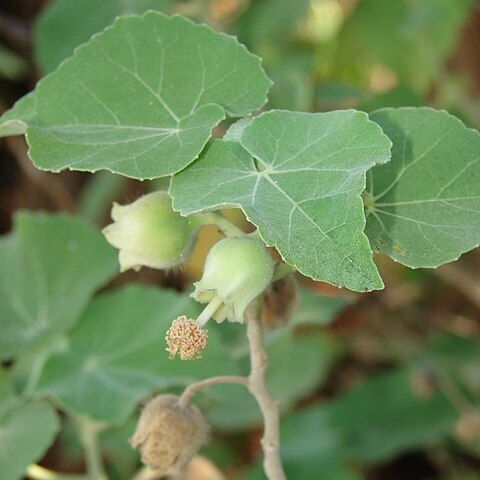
(149, 233)
(237, 271)
(186, 338)
(169, 436)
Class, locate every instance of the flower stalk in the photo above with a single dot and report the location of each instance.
(269, 407)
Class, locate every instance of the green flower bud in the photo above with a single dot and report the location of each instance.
(237, 270)
(149, 233)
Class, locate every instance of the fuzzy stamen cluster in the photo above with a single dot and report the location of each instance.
(186, 338)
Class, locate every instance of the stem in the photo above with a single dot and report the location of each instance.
(50, 185)
(88, 431)
(145, 473)
(256, 383)
(463, 281)
(194, 388)
(226, 226)
(208, 311)
(282, 270)
(36, 472)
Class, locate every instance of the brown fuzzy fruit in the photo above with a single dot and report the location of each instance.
(169, 436)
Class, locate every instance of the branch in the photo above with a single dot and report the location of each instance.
(145, 473)
(192, 389)
(50, 185)
(89, 431)
(463, 281)
(256, 384)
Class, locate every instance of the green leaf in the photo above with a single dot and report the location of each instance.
(370, 423)
(14, 121)
(117, 354)
(63, 25)
(121, 457)
(7, 394)
(400, 96)
(314, 309)
(303, 471)
(302, 189)
(51, 266)
(412, 38)
(269, 23)
(26, 432)
(423, 208)
(96, 198)
(140, 99)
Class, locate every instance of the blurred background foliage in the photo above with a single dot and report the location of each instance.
(381, 386)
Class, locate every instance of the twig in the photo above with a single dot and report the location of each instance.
(36, 472)
(88, 431)
(462, 281)
(49, 184)
(145, 473)
(256, 384)
(15, 31)
(192, 389)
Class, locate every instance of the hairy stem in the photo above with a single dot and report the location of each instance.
(269, 407)
(145, 473)
(50, 185)
(89, 431)
(36, 472)
(192, 389)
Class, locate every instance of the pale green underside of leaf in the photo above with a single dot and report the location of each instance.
(63, 25)
(26, 432)
(14, 121)
(117, 354)
(51, 265)
(302, 189)
(140, 99)
(426, 208)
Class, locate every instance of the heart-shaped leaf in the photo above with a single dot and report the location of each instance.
(51, 266)
(139, 99)
(301, 189)
(63, 25)
(117, 354)
(423, 208)
(26, 431)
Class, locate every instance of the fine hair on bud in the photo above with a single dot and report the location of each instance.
(168, 436)
(279, 303)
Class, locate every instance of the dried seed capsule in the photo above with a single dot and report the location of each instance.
(169, 436)
(149, 233)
